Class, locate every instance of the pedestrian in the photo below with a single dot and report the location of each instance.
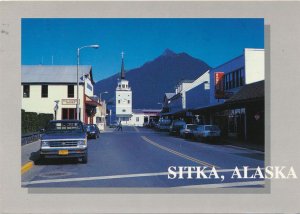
(119, 127)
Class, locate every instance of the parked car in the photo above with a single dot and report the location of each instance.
(92, 131)
(207, 132)
(187, 130)
(64, 139)
(176, 126)
(164, 124)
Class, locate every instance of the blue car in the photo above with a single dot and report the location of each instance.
(64, 139)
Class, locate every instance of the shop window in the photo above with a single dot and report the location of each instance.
(70, 91)
(44, 90)
(26, 90)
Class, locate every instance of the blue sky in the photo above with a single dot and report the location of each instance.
(214, 41)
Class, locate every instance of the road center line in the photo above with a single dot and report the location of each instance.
(116, 177)
(178, 153)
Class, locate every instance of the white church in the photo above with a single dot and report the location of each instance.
(123, 98)
(123, 103)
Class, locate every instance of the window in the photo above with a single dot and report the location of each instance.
(119, 101)
(70, 90)
(69, 113)
(44, 90)
(237, 78)
(137, 119)
(242, 78)
(226, 80)
(128, 101)
(233, 80)
(123, 110)
(26, 90)
(123, 86)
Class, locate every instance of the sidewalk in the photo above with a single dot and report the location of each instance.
(245, 144)
(30, 152)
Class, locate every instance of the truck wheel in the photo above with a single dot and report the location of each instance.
(85, 159)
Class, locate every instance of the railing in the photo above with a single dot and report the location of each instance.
(29, 138)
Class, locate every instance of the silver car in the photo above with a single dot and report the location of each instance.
(187, 130)
(205, 132)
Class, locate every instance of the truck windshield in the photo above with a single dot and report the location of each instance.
(64, 127)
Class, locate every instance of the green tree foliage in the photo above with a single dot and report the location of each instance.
(33, 122)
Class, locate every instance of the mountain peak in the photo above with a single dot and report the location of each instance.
(168, 52)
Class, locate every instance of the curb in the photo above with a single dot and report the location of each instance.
(26, 167)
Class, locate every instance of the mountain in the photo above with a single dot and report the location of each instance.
(152, 80)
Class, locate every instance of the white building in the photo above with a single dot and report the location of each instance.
(141, 117)
(45, 85)
(178, 101)
(123, 98)
(242, 70)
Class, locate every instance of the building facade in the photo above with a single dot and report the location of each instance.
(237, 96)
(230, 96)
(53, 89)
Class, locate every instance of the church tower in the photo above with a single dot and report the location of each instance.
(123, 97)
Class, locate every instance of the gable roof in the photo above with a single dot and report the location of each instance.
(249, 92)
(54, 73)
(169, 95)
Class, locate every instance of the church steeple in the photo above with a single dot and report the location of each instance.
(122, 67)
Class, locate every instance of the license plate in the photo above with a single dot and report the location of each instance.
(63, 152)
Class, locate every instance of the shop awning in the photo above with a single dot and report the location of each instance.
(92, 103)
(249, 93)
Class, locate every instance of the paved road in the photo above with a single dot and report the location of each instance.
(140, 157)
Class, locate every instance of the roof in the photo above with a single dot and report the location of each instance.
(54, 73)
(169, 95)
(122, 68)
(249, 92)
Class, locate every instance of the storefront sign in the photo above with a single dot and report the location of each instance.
(219, 90)
(69, 101)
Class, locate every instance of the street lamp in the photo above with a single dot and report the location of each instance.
(105, 92)
(78, 56)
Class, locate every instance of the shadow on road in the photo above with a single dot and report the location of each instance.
(35, 157)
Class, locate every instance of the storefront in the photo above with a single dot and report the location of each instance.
(241, 117)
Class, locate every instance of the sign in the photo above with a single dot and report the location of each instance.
(219, 89)
(89, 86)
(69, 101)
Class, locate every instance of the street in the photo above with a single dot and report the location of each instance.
(140, 157)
